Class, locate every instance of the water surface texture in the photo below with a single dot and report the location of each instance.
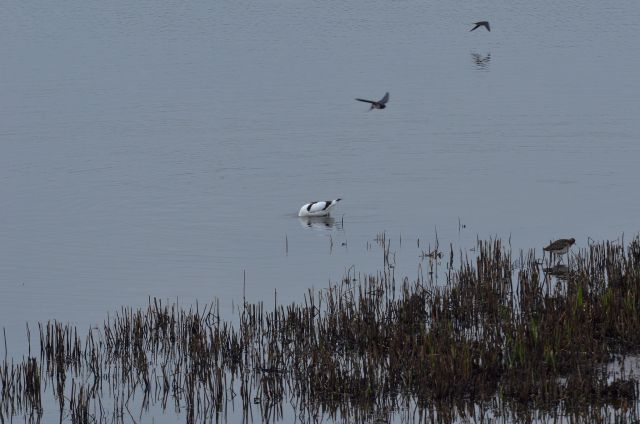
(164, 148)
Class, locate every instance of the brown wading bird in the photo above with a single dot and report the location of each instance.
(479, 24)
(559, 247)
(380, 104)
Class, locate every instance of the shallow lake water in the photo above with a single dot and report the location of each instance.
(164, 149)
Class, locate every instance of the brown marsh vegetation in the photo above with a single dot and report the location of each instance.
(495, 339)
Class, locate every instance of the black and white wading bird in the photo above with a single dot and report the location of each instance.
(380, 104)
(479, 24)
(321, 208)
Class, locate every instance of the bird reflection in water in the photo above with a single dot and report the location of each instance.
(481, 61)
(561, 272)
(320, 223)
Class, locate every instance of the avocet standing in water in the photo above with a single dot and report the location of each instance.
(317, 208)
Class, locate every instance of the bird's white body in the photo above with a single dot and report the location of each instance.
(321, 208)
(562, 251)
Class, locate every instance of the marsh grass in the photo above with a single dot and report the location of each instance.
(491, 341)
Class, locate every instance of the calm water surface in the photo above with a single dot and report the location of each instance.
(163, 149)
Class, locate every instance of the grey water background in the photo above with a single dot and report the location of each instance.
(163, 149)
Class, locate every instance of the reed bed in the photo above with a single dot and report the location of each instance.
(498, 338)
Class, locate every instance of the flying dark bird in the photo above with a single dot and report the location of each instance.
(380, 104)
(479, 24)
(317, 208)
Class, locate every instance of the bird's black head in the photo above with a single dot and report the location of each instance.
(382, 106)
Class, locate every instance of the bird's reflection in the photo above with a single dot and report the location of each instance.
(481, 61)
(321, 223)
(561, 272)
